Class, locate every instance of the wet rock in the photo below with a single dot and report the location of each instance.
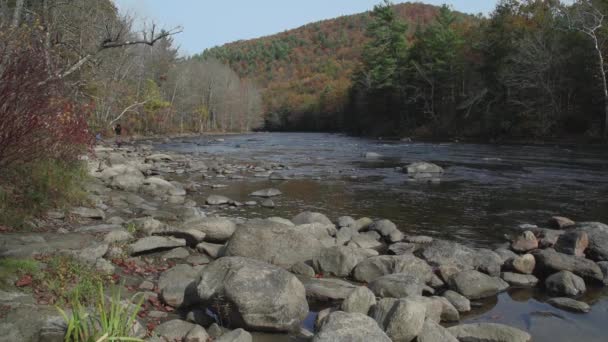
(372, 155)
(362, 224)
(516, 279)
(476, 285)
(176, 285)
(598, 240)
(216, 229)
(489, 332)
(318, 230)
(301, 268)
(211, 249)
(441, 252)
(261, 296)
(217, 200)
(560, 222)
(375, 267)
(360, 300)
(350, 327)
(523, 264)
(310, 217)
(505, 254)
(327, 289)
(366, 241)
(339, 261)
(346, 221)
(603, 265)
(88, 213)
(569, 304)
(548, 261)
(433, 332)
(423, 170)
(401, 319)
(155, 243)
(573, 243)
(238, 335)
(384, 227)
(281, 221)
(266, 193)
(460, 302)
(344, 235)
(525, 242)
(401, 248)
(565, 283)
(197, 334)
(418, 239)
(449, 312)
(157, 186)
(174, 330)
(198, 260)
(488, 262)
(282, 245)
(398, 285)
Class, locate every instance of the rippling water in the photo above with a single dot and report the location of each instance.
(486, 191)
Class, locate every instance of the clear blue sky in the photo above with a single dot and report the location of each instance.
(209, 23)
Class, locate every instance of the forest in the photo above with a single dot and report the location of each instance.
(529, 70)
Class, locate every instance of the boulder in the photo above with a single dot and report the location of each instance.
(159, 157)
(401, 248)
(327, 289)
(569, 304)
(282, 245)
(318, 230)
(192, 236)
(449, 312)
(423, 170)
(260, 296)
(238, 335)
(310, 217)
(598, 240)
(505, 254)
(148, 225)
(211, 249)
(401, 319)
(346, 221)
(176, 285)
(548, 261)
(117, 235)
(384, 227)
(362, 224)
(525, 242)
(460, 302)
(372, 155)
(366, 241)
(523, 264)
(433, 332)
(341, 326)
(360, 300)
(476, 285)
(565, 283)
(155, 243)
(216, 229)
(398, 285)
(178, 253)
(88, 213)
(281, 220)
(446, 253)
(489, 332)
(157, 186)
(174, 330)
(516, 279)
(603, 265)
(560, 222)
(375, 267)
(339, 261)
(572, 243)
(266, 193)
(197, 334)
(344, 235)
(217, 200)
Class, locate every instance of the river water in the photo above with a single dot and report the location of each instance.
(486, 191)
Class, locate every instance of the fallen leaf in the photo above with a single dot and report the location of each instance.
(26, 280)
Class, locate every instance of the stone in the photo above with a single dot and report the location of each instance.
(569, 304)
(346, 221)
(460, 302)
(88, 213)
(211, 249)
(525, 242)
(278, 176)
(360, 300)
(191, 235)
(433, 332)
(318, 230)
(372, 155)
(238, 335)
(268, 203)
(548, 261)
(401, 319)
(198, 260)
(344, 235)
(339, 261)
(449, 312)
(598, 240)
(281, 221)
(565, 283)
(266, 193)
(475, 285)
(327, 289)
(261, 296)
(423, 170)
(310, 217)
(505, 254)
(384, 227)
(216, 229)
(154, 243)
(301, 268)
(282, 245)
(397, 285)
(418, 239)
(572, 243)
(446, 253)
(197, 334)
(603, 265)
(117, 235)
(176, 285)
(362, 224)
(148, 225)
(375, 267)
(488, 332)
(523, 264)
(217, 200)
(365, 241)
(560, 222)
(157, 186)
(174, 330)
(401, 248)
(516, 279)
(341, 326)
(178, 253)
(159, 157)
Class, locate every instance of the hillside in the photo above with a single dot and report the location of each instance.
(305, 73)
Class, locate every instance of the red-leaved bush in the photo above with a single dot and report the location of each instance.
(37, 119)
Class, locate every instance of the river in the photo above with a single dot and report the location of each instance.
(486, 191)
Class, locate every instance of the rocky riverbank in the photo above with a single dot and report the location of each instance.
(208, 274)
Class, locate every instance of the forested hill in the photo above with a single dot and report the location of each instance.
(306, 72)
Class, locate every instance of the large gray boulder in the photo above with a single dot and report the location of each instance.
(572, 243)
(273, 242)
(238, 335)
(360, 300)
(267, 193)
(565, 283)
(339, 261)
(216, 229)
(451, 254)
(569, 304)
(548, 261)
(476, 285)
(460, 302)
(433, 332)
(397, 285)
(260, 296)
(176, 285)
(375, 267)
(310, 217)
(489, 332)
(327, 289)
(319, 230)
(598, 240)
(401, 319)
(174, 330)
(350, 327)
(421, 170)
(157, 186)
(154, 243)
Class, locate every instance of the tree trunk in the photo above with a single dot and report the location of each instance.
(604, 85)
(17, 13)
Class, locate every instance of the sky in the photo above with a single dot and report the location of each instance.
(208, 23)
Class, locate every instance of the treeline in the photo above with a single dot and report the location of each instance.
(532, 69)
